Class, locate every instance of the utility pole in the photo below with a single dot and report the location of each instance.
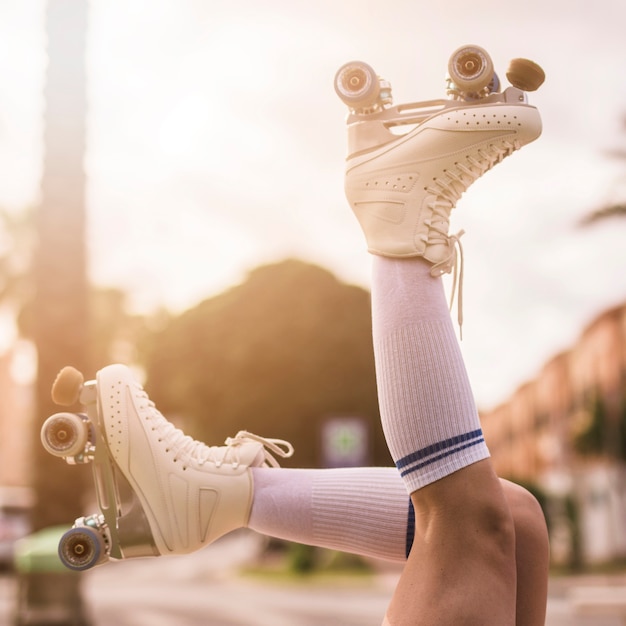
(61, 311)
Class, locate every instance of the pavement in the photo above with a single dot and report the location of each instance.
(206, 588)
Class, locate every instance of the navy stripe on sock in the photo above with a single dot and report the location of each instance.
(419, 466)
(437, 451)
(410, 529)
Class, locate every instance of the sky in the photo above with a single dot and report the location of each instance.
(216, 143)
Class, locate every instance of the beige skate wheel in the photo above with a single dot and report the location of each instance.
(65, 434)
(357, 84)
(66, 388)
(470, 68)
(525, 75)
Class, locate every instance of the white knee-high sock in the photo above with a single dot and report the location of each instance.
(359, 510)
(427, 407)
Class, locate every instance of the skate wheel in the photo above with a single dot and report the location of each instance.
(525, 75)
(65, 434)
(66, 388)
(81, 548)
(470, 68)
(357, 84)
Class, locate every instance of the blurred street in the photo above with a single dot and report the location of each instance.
(204, 588)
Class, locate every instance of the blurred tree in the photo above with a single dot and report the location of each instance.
(606, 434)
(610, 209)
(276, 355)
(592, 440)
(113, 332)
(603, 433)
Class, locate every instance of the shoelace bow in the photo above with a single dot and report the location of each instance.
(447, 191)
(189, 451)
(280, 447)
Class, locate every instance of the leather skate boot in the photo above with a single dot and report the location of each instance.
(403, 187)
(190, 493)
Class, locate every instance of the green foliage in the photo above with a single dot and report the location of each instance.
(576, 548)
(275, 355)
(304, 560)
(621, 431)
(605, 431)
(301, 558)
(592, 439)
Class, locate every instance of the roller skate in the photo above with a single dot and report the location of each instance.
(182, 494)
(409, 164)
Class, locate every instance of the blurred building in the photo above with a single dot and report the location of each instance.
(565, 433)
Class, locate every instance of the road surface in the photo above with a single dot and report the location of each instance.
(205, 589)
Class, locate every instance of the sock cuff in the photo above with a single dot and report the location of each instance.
(427, 407)
(421, 473)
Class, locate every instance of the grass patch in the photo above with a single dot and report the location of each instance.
(296, 564)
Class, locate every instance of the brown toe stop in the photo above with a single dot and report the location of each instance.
(525, 75)
(66, 388)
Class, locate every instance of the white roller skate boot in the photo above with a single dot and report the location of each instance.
(186, 494)
(403, 186)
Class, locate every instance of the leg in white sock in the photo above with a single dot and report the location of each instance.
(359, 510)
(427, 407)
(464, 529)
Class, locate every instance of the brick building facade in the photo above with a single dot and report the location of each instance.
(565, 431)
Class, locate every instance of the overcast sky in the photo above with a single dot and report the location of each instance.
(216, 143)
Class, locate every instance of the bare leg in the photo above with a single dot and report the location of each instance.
(532, 555)
(462, 567)
(484, 556)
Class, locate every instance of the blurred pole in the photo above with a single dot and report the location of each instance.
(61, 312)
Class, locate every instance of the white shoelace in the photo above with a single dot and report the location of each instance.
(279, 447)
(188, 451)
(447, 191)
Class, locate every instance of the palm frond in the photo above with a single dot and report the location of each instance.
(614, 210)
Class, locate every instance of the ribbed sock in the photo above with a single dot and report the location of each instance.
(363, 511)
(427, 407)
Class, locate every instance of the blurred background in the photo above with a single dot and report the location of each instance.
(171, 196)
